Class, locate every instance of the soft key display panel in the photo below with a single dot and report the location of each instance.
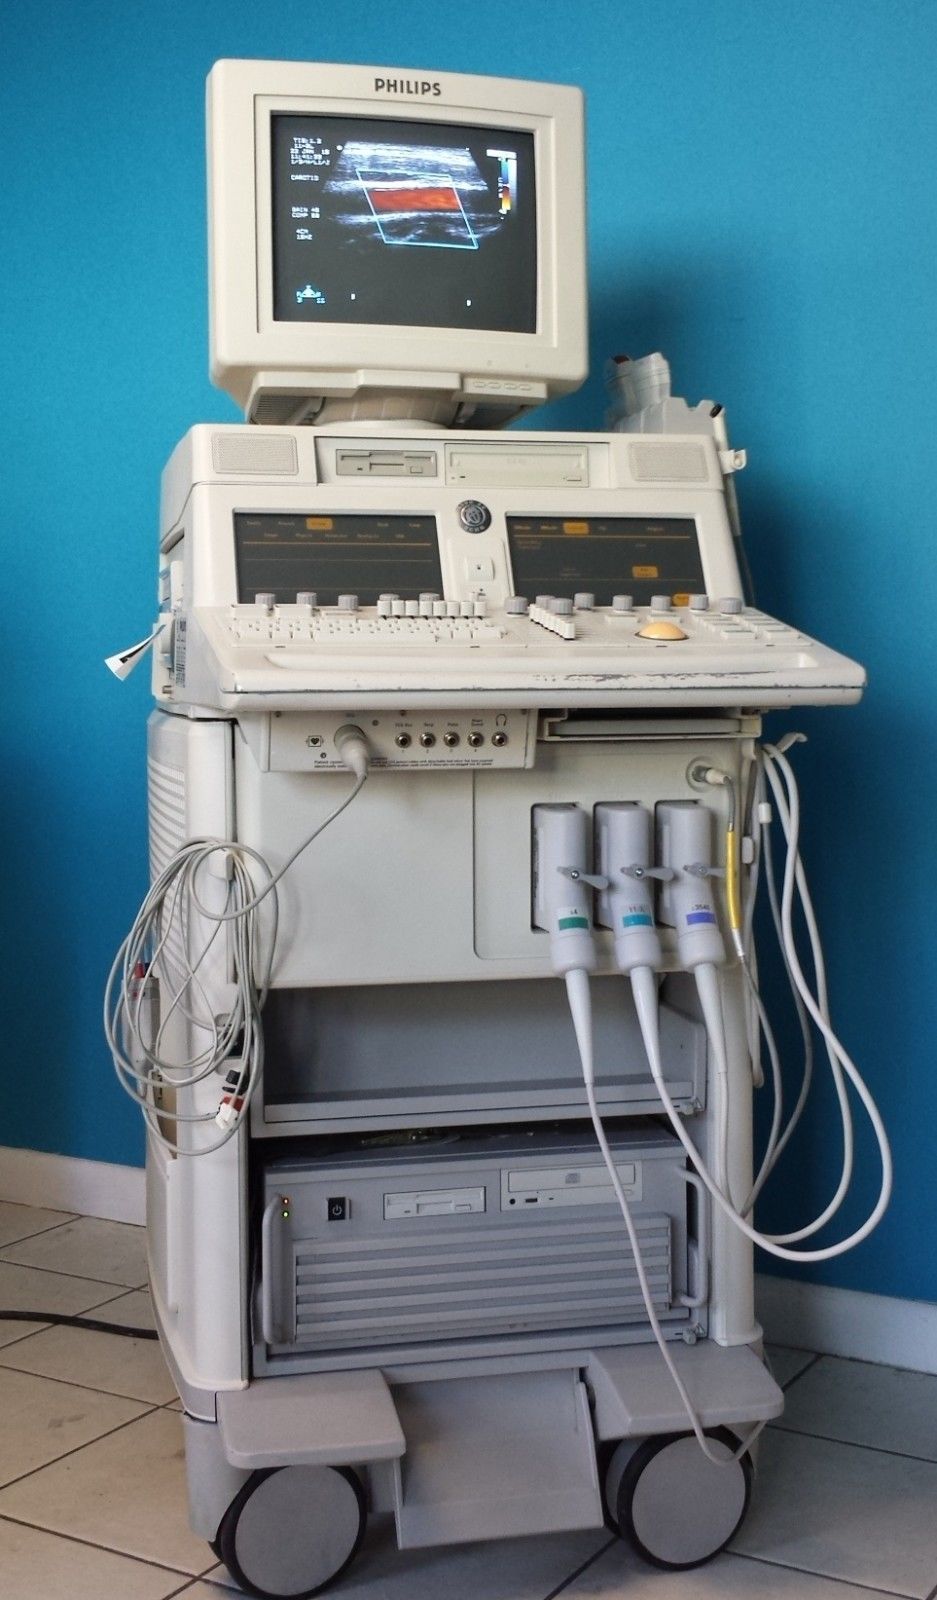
(355, 553)
(421, 224)
(605, 556)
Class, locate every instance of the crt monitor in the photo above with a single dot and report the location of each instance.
(408, 234)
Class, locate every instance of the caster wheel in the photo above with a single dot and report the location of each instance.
(673, 1505)
(291, 1531)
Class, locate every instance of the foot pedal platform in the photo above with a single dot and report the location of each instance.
(314, 1419)
(635, 1394)
(492, 1457)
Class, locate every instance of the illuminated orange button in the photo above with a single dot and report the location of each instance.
(645, 572)
(577, 529)
(661, 629)
(681, 599)
(319, 524)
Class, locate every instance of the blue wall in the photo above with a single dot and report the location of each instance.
(761, 208)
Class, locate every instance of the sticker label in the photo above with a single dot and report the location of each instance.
(694, 917)
(571, 918)
(637, 919)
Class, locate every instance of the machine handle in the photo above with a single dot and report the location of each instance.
(693, 1302)
(270, 1326)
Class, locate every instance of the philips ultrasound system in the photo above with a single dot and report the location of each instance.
(442, 1009)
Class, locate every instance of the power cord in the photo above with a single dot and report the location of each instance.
(93, 1324)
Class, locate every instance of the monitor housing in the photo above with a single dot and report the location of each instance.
(393, 244)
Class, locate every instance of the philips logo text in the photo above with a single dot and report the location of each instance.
(417, 86)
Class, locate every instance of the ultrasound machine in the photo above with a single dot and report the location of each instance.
(443, 1008)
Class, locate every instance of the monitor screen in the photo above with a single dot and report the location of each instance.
(355, 553)
(605, 556)
(419, 224)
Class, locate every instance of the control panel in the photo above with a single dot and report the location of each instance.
(507, 575)
(522, 656)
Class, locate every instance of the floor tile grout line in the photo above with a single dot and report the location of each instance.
(62, 1272)
(49, 1228)
(11, 1482)
(92, 1544)
(106, 1394)
(581, 1569)
(813, 1572)
(99, 1305)
(932, 1594)
(808, 1368)
(852, 1444)
(41, 1327)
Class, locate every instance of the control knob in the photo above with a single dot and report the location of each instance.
(473, 516)
(731, 605)
(307, 597)
(660, 602)
(699, 602)
(515, 605)
(562, 608)
(348, 602)
(622, 602)
(268, 601)
(584, 602)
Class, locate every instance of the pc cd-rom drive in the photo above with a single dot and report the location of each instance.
(451, 1246)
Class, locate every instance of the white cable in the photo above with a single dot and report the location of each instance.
(580, 1005)
(174, 896)
(645, 993)
(778, 1142)
(794, 874)
(788, 809)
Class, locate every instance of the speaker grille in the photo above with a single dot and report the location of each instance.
(668, 463)
(239, 453)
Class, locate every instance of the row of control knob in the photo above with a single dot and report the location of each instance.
(430, 605)
(518, 604)
(391, 605)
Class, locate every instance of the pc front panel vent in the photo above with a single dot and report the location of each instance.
(505, 1237)
(668, 463)
(465, 1282)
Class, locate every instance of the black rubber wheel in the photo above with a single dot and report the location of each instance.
(675, 1507)
(289, 1532)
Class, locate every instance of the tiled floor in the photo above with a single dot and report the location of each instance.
(92, 1498)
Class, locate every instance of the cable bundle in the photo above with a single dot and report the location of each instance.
(156, 957)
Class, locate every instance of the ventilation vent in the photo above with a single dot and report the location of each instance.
(167, 814)
(240, 453)
(668, 463)
(475, 1283)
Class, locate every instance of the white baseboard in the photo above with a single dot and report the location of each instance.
(66, 1183)
(846, 1322)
